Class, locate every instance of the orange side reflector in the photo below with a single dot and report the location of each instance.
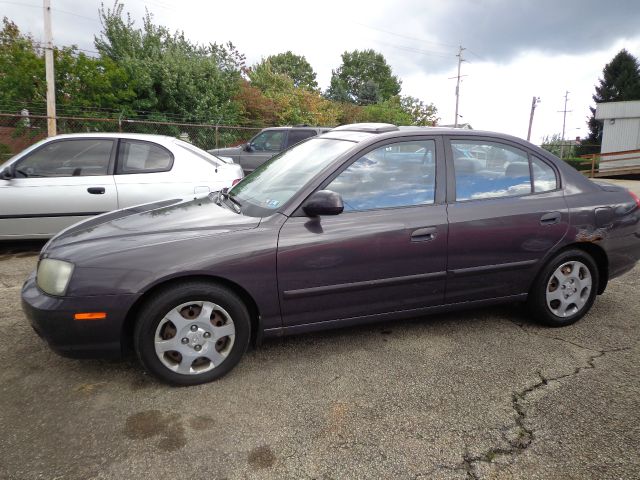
(90, 316)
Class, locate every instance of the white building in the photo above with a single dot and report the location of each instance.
(621, 132)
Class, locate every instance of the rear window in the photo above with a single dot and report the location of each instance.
(136, 156)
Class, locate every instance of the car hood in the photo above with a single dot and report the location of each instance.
(143, 225)
(228, 152)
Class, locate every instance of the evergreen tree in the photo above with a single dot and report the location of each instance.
(620, 82)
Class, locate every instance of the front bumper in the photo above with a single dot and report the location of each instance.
(53, 319)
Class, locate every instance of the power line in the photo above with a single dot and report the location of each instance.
(417, 50)
(31, 5)
(422, 40)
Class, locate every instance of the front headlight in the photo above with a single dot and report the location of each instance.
(53, 276)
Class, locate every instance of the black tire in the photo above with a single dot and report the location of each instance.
(537, 300)
(163, 302)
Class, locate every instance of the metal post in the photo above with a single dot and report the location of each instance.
(48, 59)
(564, 121)
(460, 60)
(534, 102)
(216, 136)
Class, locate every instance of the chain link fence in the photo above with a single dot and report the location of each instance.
(17, 132)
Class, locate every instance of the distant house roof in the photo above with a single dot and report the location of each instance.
(606, 110)
(463, 126)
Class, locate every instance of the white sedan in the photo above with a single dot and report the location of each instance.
(67, 178)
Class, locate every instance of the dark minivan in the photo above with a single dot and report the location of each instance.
(367, 222)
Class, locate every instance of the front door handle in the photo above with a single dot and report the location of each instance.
(550, 218)
(96, 190)
(424, 234)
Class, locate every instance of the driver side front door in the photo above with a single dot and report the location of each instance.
(385, 254)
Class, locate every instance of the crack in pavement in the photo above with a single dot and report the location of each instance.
(525, 435)
(560, 339)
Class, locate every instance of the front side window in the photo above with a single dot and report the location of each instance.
(143, 157)
(269, 141)
(398, 175)
(489, 170)
(68, 158)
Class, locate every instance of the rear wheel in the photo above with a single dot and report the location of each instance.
(192, 333)
(565, 289)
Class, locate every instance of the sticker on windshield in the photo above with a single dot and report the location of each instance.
(272, 203)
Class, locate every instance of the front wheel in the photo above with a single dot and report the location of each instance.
(192, 333)
(565, 289)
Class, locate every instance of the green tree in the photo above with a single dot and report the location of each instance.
(620, 82)
(296, 67)
(422, 114)
(554, 144)
(364, 78)
(171, 76)
(21, 69)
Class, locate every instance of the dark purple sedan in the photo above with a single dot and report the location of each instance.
(367, 222)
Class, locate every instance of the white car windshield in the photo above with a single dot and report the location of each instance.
(273, 183)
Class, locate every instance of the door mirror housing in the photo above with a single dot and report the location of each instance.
(248, 147)
(323, 202)
(6, 173)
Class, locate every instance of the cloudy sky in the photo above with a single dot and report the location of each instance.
(514, 49)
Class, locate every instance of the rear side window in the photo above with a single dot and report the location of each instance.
(544, 177)
(489, 170)
(68, 158)
(296, 136)
(143, 157)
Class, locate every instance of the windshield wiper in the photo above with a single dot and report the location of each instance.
(224, 195)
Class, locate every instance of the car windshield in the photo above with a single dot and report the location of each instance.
(273, 183)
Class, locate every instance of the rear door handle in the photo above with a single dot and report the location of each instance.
(96, 190)
(550, 218)
(424, 234)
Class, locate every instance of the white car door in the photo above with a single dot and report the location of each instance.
(56, 185)
(147, 171)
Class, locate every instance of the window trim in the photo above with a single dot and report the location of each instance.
(118, 169)
(451, 175)
(440, 177)
(110, 166)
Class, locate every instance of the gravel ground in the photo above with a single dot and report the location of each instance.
(478, 394)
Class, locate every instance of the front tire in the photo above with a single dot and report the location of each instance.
(192, 333)
(565, 289)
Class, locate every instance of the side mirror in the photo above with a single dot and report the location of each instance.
(6, 173)
(248, 147)
(323, 202)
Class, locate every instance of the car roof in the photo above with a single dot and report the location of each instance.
(297, 127)
(381, 131)
(135, 136)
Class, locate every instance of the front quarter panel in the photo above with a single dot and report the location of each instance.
(246, 258)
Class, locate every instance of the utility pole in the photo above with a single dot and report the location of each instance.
(564, 122)
(48, 59)
(534, 102)
(460, 60)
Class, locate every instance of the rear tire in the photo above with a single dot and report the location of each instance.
(565, 289)
(192, 333)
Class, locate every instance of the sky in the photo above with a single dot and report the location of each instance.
(514, 49)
